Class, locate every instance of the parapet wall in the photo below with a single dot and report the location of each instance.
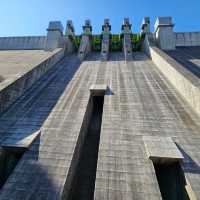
(27, 42)
(187, 84)
(187, 39)
(10, 93)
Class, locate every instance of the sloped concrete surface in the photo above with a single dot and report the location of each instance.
(143, 104)
(179, 75)
(15, 63)
(21, 69)
(139, 102)
(189, 57)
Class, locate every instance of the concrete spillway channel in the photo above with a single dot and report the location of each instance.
(171, 181)
(84, 163)
(86, 170)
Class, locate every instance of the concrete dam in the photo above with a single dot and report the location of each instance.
(100, 117)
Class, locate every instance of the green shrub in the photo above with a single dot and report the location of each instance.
(96, 42)
(116, 43)
(136, 42)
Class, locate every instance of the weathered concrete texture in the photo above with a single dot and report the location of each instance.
(188, 57)
(187, 39)
(187, 84)
(16, 63)
(27, 42)
(143, 104)
(20, 69)
(139, 102)
(50, 104)
(183, 76)
(162, 149)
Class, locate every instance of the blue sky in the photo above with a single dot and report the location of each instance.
(31, 17)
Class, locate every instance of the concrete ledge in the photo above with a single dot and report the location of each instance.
(98, 89)
(161, 149)
(14, 88)
(186, 83)
(18, 141)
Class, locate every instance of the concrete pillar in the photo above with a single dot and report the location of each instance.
(70, 28)
(126, 26)
(145, 27)
(85, 46)
(106, 28)
(127, 44)
(54, 35)
(87, 28)
(164, 35)
(70, 37)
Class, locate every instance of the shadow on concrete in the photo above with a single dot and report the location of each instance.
(31, 180)
(189, 165)
(1, 79)
(184, 55)
(182, 113)
(26, 116)
(191, 51)
(140, 56)
(116, 56)
(93, 56)
(109, 92)
(34, 106)
(80, 181)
